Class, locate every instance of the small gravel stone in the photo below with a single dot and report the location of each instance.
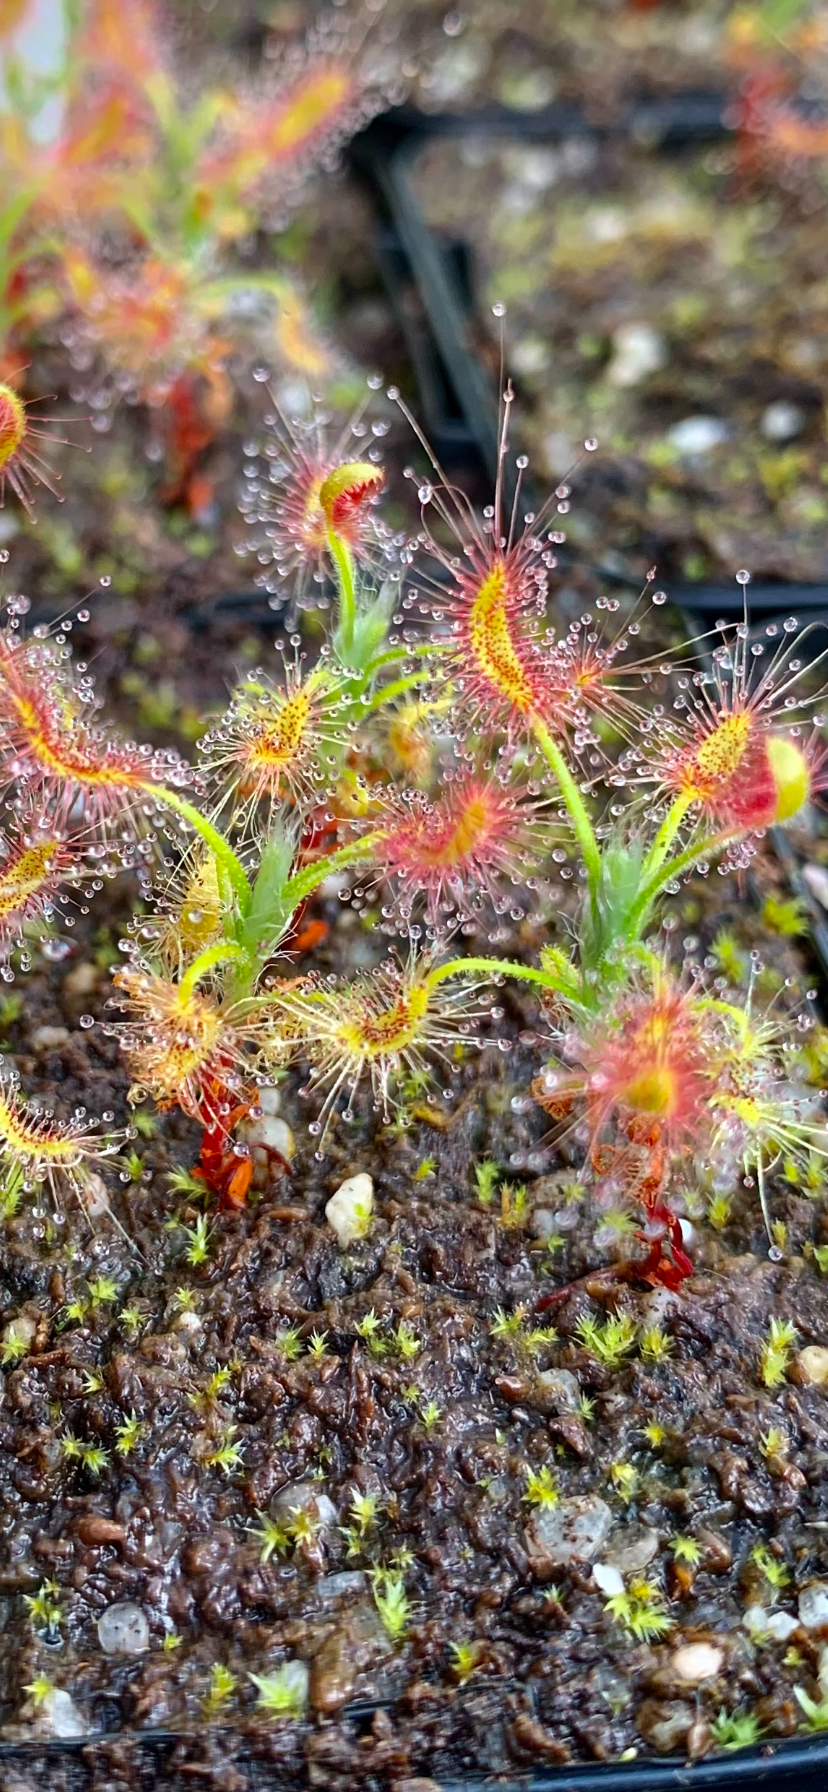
(415, 1785)
(61, 1716)
(813, 1605)
(94, 1195)
(335, 1586)
(358, 1641)
(530, 355)
(664, 1723)
(609, 1579)
(697, 435)
(48, 1039)
(305, 1496)
(813, 1362)
(637, 349)
(82, 979)
(544, 1221)
(781, 1626)
(349, 1210)
(295, 1677)
(631, 1547)
(572, 1531)
(269, 1133)
(816, 877)
(20, 1330)
(188, 1323)
(781, 421)
(123, 1630)
(561, 1388)
(718, 1555)
(695, 1662)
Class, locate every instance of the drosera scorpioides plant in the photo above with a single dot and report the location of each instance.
(447, 748)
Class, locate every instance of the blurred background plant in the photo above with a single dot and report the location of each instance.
(143, 211)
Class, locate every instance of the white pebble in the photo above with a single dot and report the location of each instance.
(781, 1625)
(536, 168)
(188, 1322)
(47, 1039)
(334, 1586)
(530, 355)
(574, 1530)
(755, 1620)
(637, 349)
(349, 1211)
(82, 979)
(609, 1579)
(123, 1630)
(94, 1195)
(631, 1547)
(816, 877)
(813, 1605)
(305, 1496)
(695, 1662)
(295, 1676)
(697, 435)
(270, 1098)
(60, 1713)
(781, 421)
(269, 1133)
(20, 1330)
(813, 1362)
(562, 1387)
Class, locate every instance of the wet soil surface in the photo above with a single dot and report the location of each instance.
(150, 1555)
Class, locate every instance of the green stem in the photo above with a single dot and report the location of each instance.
(222, 852)
(345, 582)
(387, 692)
(305, 882)
(575, 805)
(665, 836)
(674, 868)
(409, 652)
(503, 967)
(218, 954)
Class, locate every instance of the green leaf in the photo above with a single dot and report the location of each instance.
(357, 646)
(605, 918)
(270, 909)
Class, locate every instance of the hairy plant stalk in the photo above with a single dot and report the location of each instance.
(575, 806)
(224, 952)
(222, 852)
(345, 582)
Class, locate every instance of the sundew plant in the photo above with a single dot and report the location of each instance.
(446, 755)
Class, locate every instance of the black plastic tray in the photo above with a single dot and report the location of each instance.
(458, 401)
(169, 1761)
